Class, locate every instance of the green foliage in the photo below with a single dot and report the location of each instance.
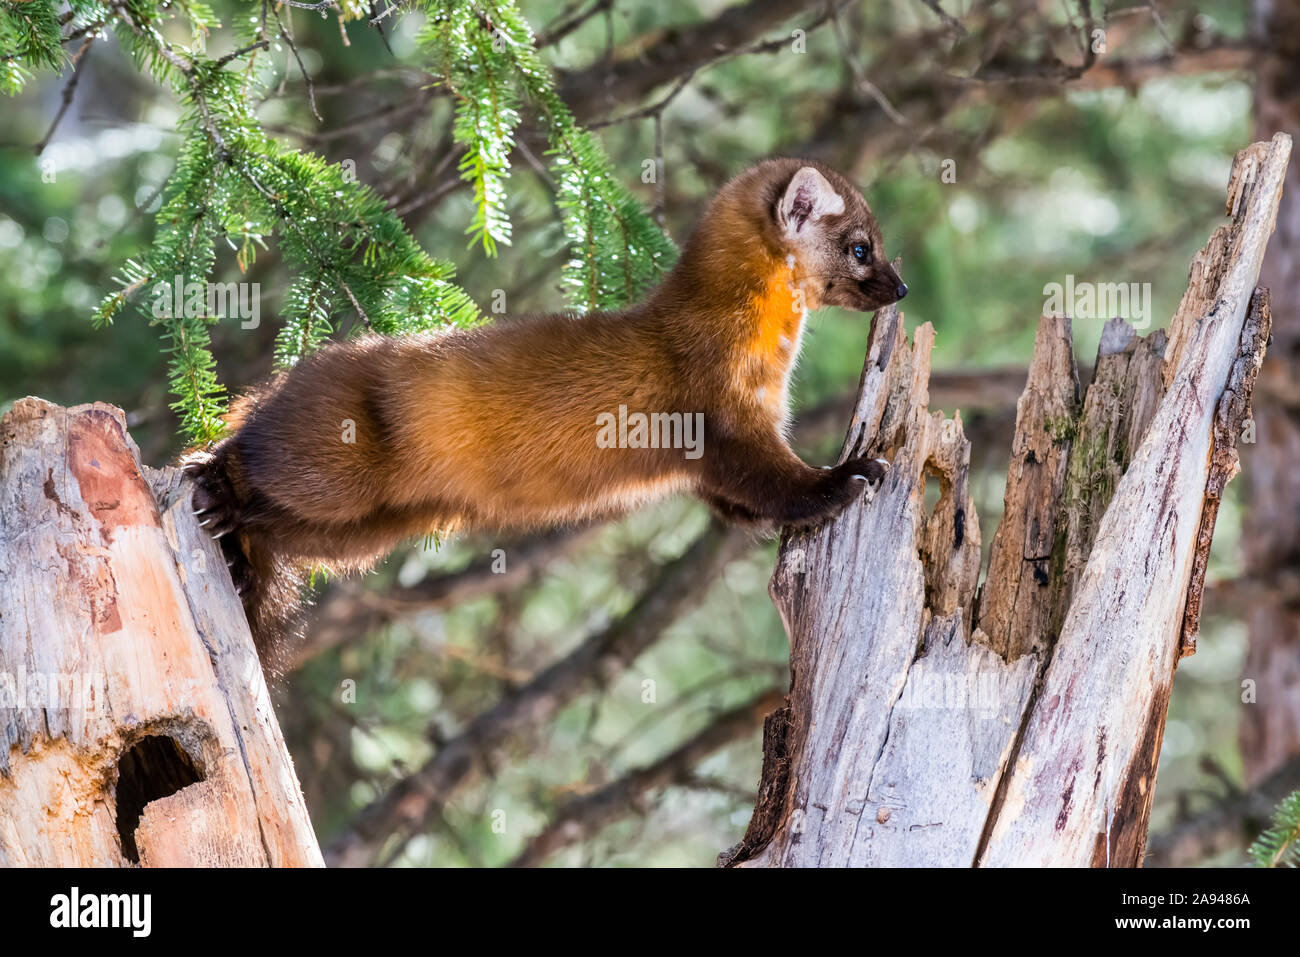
(308, 307)
(484, 51)
(477, 68)
(1279, 846)
(183, 253)
(233, 181)
(29, 35)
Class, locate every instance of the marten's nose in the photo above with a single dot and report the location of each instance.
(901, 291)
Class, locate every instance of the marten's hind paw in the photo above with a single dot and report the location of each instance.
(213, 501)
(219, 513)
(241, 572)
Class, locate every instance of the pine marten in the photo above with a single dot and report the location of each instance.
(512, 426)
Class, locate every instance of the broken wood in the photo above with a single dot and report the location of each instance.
(135, 723)
(926, 726)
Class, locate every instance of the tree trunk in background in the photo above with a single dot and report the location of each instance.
(135, 724)
(928, 727)
(1270, 727)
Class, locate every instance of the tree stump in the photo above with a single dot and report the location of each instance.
(135, 722)
(931, 725)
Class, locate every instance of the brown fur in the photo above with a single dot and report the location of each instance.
(494, 428)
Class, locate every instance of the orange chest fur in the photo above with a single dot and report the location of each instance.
(778, 313)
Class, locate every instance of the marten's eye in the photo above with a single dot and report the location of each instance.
(860, 252)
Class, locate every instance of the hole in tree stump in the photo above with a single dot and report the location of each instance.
(933, 489)
(152, 768)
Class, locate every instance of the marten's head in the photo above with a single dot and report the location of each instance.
(791, 222)
(821, 220)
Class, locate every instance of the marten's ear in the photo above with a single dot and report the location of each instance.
(808, 198)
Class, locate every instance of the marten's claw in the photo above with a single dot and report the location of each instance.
(882, 465)
(221, 526)
(196, 464)
(871, 471)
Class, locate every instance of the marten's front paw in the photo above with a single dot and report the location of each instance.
(841, 486)
(871, 472)
(853, 478)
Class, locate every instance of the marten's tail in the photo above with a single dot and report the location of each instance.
(270, 585)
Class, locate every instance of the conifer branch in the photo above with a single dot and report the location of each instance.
(69, 91)
(233, 180)
(1279, 846)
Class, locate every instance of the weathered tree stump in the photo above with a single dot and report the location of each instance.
(135, 723)
(931, 725)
